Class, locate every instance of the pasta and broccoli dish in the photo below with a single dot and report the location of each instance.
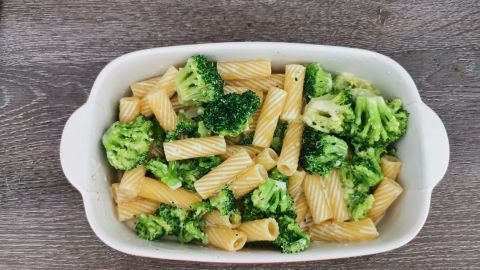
(228, 154)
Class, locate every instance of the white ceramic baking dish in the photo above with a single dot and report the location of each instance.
(424, 149)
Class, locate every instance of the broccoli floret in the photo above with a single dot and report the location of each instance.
(167, 173)
(191, 230)
(377, 123)
(127, 144)
(198, 82)
(359, 176)
(321, 152)
(275, 174)
(347, 81)
(182, 172)
(249, 211)
(231, 114)
(290, 238)
(152, 227)
(244, 139)
(330, 113)
(173, 215)
(185, 128)
(224, 201)
(199, 209)
(318, 82)
(278, 136)
(272, 196)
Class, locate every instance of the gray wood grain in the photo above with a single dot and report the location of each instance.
(51, 52)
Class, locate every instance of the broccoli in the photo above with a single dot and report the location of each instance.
(182, 172)
(330, 113)
(199, 209)
(244, 139)
(291, 239)
(278, 136)
(359, 176)
(318, 82)
(347, 81)
(198, 82)
(275, 174)
(191, 230)
(152, 227)
(320, 152)
(127, 144)
(272, 196)
(184, 128)
(230, 115)
(224, 201)
(377, 122)
(249, 211)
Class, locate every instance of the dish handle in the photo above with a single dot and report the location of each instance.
(436, 146)
(73, 149)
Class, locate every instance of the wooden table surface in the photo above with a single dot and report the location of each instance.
(51, 52)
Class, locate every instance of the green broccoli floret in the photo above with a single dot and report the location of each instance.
(244, 138)
(278, 136)
(275, 174)
(127, 144)
(318, 82)
(330, 113)
(377, 123)
(185, 128)
(173, 215)
(182, 172)
(347, 81)
(167, 173)
(272, 196)
(321, 152)
(291, 239)
(198, 82)
(199, 209)
(365, 166)
(224, 201)
(358, 204)
(231, 114)
(191, 230)
(249, 211)
(152, 227)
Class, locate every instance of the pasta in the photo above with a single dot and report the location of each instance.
(233, 149)
(176, 103)
(225, 238)
(385, 194)
(132, 181)
(288, 159)
(316, 196)
(157, 191)
(166, 82)
(335, 195)
(295, 183)
(390, 166)
(162, 108)
(194, 147)
(344, 231)
(241, 70)
(260, 230)
(248, 180)
(216, 219)
(294, 77)
(221, 175)
(120, 196)
(225, 159)
(268, 158)
(301, 207)
(129, 109)
(261, 84)
(131, 209)
(267, 121)
(145, 108)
